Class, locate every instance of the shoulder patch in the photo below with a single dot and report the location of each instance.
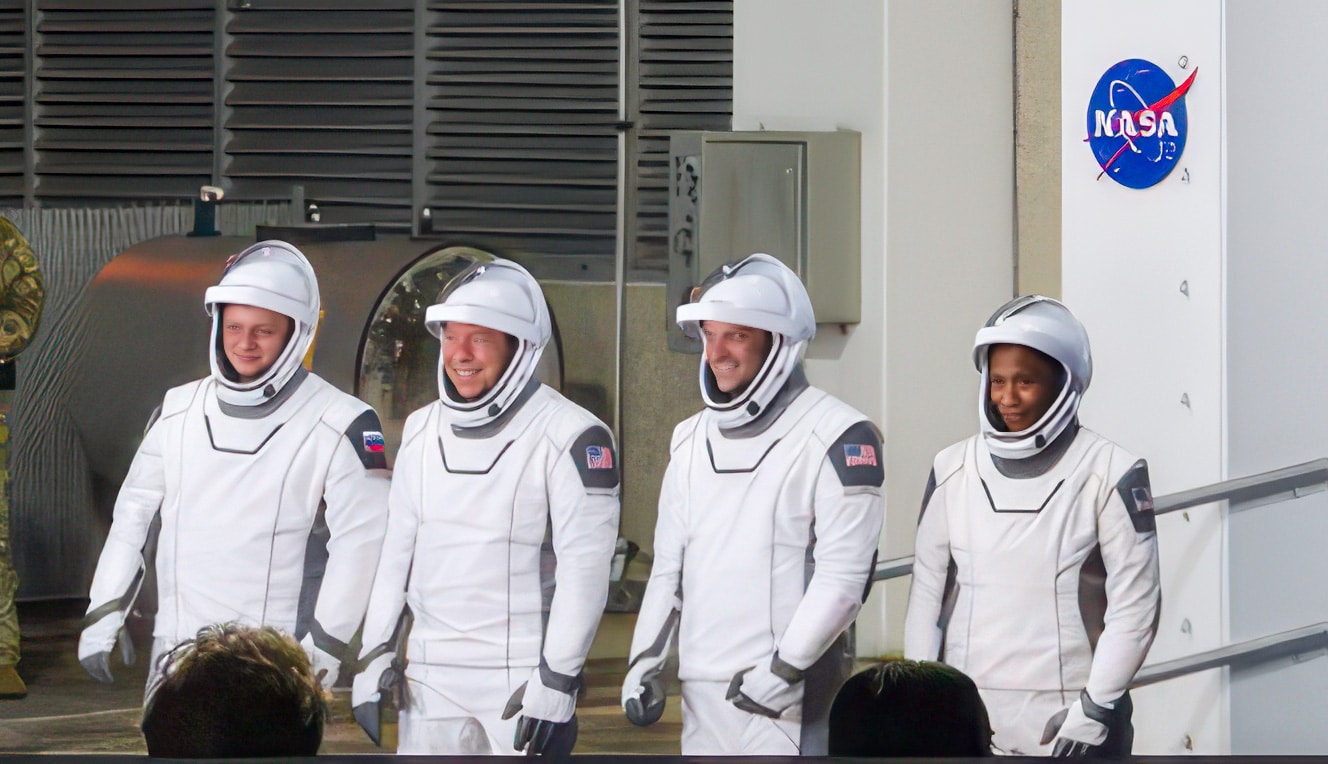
(857, 456)
(595, 459)
(1137, 493)
(366, 437)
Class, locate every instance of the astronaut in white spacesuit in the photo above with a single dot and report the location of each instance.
(484, 473)
(1036, 569)
(271, 483)
(769, 519)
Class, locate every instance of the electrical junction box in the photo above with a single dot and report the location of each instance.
(793, 195)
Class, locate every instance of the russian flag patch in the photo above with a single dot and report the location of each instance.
(373, 442)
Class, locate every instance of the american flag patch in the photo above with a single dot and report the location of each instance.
(1142, 498)
(373, 442)
(860, 456)
(599, 458)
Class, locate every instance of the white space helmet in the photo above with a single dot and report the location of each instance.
(272, 275)
(503, 296)
(760, 292)
(1048, 326)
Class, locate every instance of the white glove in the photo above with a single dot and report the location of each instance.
(97, 641)
(768, 689)
(643, 690)
(325, 665)
(540, 702)
(1084, 728)
(365, 687)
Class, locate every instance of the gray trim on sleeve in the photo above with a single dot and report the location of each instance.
(1137, 494)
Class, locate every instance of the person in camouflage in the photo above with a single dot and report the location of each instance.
(20, 309)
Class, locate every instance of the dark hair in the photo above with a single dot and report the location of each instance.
(909, 708)
(235, 691)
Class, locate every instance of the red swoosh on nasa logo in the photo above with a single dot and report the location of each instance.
(1162, 105)
(1171, 97)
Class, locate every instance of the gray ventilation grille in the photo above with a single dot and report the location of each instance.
(686, 83)
(521, 138)
(488, 122)
(124, 99)
(13, 49)
(320, 94)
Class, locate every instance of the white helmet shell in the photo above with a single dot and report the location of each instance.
(272, 275)
(503, 296)
(762, 293)
(1045, 325)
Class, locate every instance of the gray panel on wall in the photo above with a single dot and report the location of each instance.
(686, 83)
(13, 55)
(123, 99)
(521, 135)
(1277, 276)
(501, 119)
(322, 98)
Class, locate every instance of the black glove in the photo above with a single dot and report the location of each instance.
(643, 690)
(383, 679)
(542, 737)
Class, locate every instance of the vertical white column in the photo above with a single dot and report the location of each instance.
(1144, 270)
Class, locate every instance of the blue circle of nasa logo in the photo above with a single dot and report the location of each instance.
(1137, 123)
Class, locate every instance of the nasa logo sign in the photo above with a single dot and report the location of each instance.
(1136, 122)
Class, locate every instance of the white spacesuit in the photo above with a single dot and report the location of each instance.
(769, 519)
(1036, 569)
(477, 486)
(249, 478)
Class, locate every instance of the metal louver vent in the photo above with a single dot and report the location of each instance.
(686, 83)
(521, 139)
(319, 94)
(124, 99)
(13, 47)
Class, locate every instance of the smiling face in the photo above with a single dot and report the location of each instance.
(735, 354)
(1024, 384)
(253, 339)
(475, 357)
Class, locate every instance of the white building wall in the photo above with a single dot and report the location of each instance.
(1158, 385)
(928, 84)
(1277, 233)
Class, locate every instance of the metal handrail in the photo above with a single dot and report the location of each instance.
(1250, 491)
(1253, 490)
(1251, 651)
